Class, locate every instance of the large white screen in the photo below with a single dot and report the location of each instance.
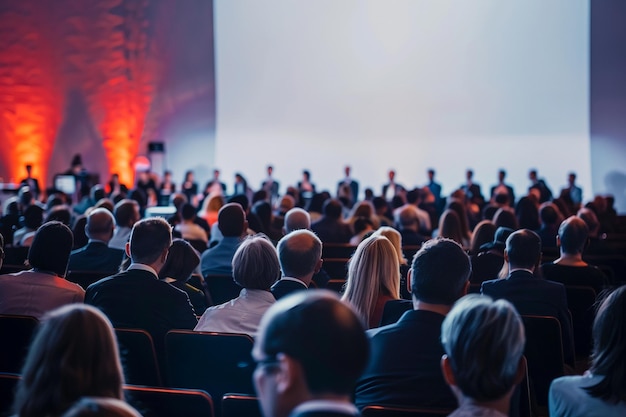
(404, 84)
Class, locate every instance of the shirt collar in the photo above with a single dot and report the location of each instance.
(326, 405)
(143, 267)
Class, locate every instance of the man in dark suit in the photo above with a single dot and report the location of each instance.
(97, 255)
(351, 186)
(331, 228)
(310, 350)
(31, 182)
(270, 185)
(404, 367)
(472, 190)
(300, 257)
(502, 188)
(136, 298)
(539, 186)
(529, 294)
(392, 188)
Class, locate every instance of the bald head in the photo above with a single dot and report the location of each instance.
(100, 225)
(231, 220)
(300, 254)
(297, 219)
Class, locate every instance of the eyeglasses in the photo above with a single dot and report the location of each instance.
(269, 361)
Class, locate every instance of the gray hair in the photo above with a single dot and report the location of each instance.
(296, 219)
(299, 252)
(255, 263)
(484, 341)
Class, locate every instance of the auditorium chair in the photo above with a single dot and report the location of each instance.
(138, 357)
(221, 288)
(167, 402)
(237, 405)
(16, 333)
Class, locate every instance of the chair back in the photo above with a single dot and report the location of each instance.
(8, 384)
(86, 278)
(165, 402)
(580, 302)
(222, 288)
(337, 250)
(336, 268)
(544, 354)
(138, 357)
(337, 285)
(236, 405)
(16, 333)
(214, 362)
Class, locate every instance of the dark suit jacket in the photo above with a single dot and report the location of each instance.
(284, 287)
(510, 192)
(96, 256)
(535, 296)
(354, 189)
(404, 366)
(332, 231)
(138, 299)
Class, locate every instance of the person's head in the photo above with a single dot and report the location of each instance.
(100, 225)
(296, 219)
(484, 343)
(126, 213)
(501, 175)
(523, 249)
(549, 214)
(29, 169)
(391, 174)
(484, 232)
(300, 254)
(59, 213)
(591, 220)
(532, 175)
(187, 212)
(149, 242)
(413, 196)
(408, 219)
(231, 220)
(373, 271)
(181, 261)
(189, 176)
(573, 235)
(450, 226)
(216, 174)
(255, 264)
(286, 203)
(469, 174)
(73, 354)
(178, 199)
(240, 199)
(440, 272)
(505, 217)
(609, 348)
(396, 240)
(33, 217)
(332, 208)
(213, 203)
(310, 345)
(51, 247)
(571, 178)
(101, 407)
(306, 175)
(270, 170)
(431, 174)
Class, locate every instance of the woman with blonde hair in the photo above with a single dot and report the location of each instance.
(74, 354)
(373, 279)
(396, 240)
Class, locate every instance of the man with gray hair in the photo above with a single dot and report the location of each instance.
(484, 343)
(97, 255)
(300, 257)
(404, 368)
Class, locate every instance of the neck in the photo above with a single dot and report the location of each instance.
(306, 279)
(442, 309)
(571, 259)
(502, 404)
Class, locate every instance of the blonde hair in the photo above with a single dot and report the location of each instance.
(373, 271)
(396, 240)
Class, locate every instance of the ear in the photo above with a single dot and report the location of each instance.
(127, 249)
(558, 241)
(466, 288)
(506, 256)
(288, 374)
(446, 369)
(521, 370)
(318, 266)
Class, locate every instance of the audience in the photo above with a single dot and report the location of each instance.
(126, 214)
(188, 228)
(373, 279)
(136, 298)
(310, 351)
(232, 223)
(255, 269)
(97, 255)
(408, 224)
(601, 391)
(300, 257)
(404, 367)
(101, 407)
(484, 343)
(330, 228)
(73, 354)
(42, 288)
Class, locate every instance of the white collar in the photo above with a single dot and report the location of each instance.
(143, 267)
(326, 405)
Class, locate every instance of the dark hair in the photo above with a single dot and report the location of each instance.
(413, 196)
(524, 248)
(323, 334)
(241, 199)
(299, 252)
(609, 348)
(187, 211)
(527, 214)
(231, 220)
(505, 217)
(124, 212)
(548, 213)
(61, 214)
(33, 217)
(439, 272)
(361, 223)
(73, 354)
(51, 248)
(255, 263)
(149, 238)
(181, 261)
(332, 208)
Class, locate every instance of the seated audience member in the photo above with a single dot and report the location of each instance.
(33, 219)
(181, 262)
(211, 207)
(73, 354)
(300, 257)
(330, 227)
(232, 224)
(483, 233)
(373, 279)
(381, 210)
(503, 189)
(550, 218)
(601, 391)
(363, 209)
(404, 368)
(126, 213)
(310, 351)
(255, 269)
(363, 228)
(187, 227)
(528, 293)
(262, 211)
(43, 288)
(413, 199)
(489, 263)
(101, 407)
(505, 217)
(97, 255)
(527, 213)
(450, 228)
(136, 298)
(484, 343)
(396, 240)
(569, 268)
(408, 225)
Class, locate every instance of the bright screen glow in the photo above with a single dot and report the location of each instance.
(403, 84)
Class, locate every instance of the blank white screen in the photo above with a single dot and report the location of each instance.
(404, 84)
